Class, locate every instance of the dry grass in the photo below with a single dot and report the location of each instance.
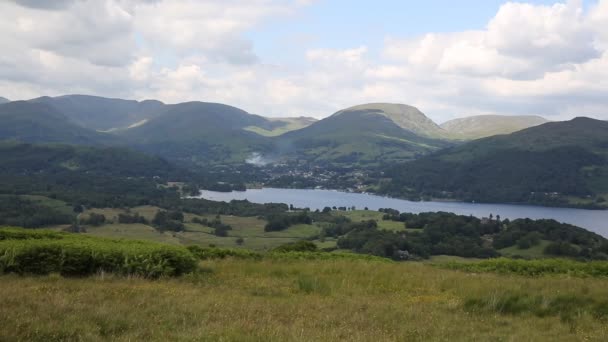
(290, 300)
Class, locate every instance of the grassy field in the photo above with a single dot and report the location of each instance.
(250, 229)
(364, 215)
(270, 300)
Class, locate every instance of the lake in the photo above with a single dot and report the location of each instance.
(593, 220)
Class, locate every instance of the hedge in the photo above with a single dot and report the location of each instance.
(44, 252)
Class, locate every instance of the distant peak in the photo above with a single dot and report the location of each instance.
(405, 116)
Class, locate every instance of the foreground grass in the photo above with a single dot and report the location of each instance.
(279, 300)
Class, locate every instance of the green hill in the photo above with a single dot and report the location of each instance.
(407, 117)
(201, 133)
(557, 163)
(103, 114)
(37, 122)
(100, 176)
(361, 135)
(481, 126)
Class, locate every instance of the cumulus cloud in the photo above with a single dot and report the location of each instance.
(550, 60)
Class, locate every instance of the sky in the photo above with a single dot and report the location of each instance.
(314, 57)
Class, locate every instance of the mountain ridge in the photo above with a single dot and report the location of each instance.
(481, 126)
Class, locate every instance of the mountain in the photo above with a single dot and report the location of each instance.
(481, 126)
(4, 100)
(556, 163)
(100, 113)
(201, 133)
(366, 134)
(38, 122)
(407, 117)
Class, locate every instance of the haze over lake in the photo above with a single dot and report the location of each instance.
(593, 220)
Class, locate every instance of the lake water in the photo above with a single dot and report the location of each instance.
(593, 220)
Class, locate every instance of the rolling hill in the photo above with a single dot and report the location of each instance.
(366, 134)
(38, 122)
(201, 133)
(407, 117)
(100, 113)
(557, 163)
(481, 126)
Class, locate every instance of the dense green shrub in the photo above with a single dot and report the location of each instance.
(205, 253)
(208, 253)
(299, 246)
(44, 252)
(534, 267)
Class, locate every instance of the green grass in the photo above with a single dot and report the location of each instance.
(533, 252)
(290, 124)
(58, 205)
(250, 229)
(364, 215)
(305, 300)
(135, 231)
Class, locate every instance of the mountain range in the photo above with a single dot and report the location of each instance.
(545, 162)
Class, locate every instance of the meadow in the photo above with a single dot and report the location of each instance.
(70, 287)
(249, 229)
(305, 300)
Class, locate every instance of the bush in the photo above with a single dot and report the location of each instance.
(43, 252)
(205, 253)
(300, 246)
(534, 267)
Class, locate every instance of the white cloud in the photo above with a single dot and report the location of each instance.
(529, 59)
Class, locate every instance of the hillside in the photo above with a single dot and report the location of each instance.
(362, 135)
(38, 122)
(100, 113)
(407, 117)
(200, 133)
(4, 100)
(481, 126)
(105, 176)
(280, 126)
(557, 163)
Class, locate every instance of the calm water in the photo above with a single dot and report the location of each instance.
(593, 220)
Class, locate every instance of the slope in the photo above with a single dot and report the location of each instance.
(103, 114)
(557, 163)
(38, 122)
(4, 100)
(200, 133)
(99, 176)
(280, 126)
(404, 116)
(366, 136)
(481, 126)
